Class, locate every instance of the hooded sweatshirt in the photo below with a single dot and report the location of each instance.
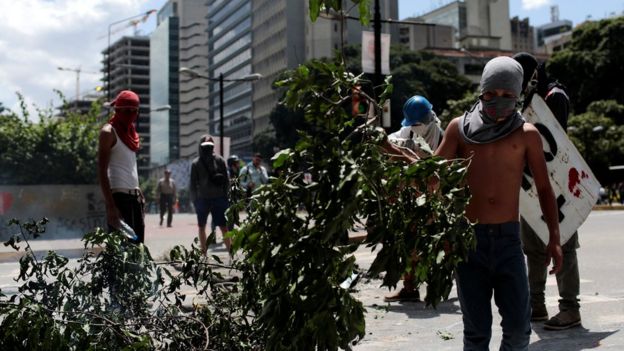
(209, 178)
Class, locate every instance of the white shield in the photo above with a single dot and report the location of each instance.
(574, 184)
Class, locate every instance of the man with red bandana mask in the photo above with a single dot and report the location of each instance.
(117, 166)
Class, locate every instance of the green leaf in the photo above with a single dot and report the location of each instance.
(364, 10)
(315, 9)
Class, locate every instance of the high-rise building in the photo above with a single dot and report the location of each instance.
(229, 55)
(417, 35)
(193, 92)
(480, 24)
(165, 87)
(284, 37)
(278, 44)
(553, 36)
(180, 40)
(127, 66)
(522, 35)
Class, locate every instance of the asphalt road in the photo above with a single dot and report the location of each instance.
(412, 326)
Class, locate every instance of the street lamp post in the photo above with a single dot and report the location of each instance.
(248, 78)
(108, 48)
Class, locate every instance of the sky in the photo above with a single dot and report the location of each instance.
(38, 36)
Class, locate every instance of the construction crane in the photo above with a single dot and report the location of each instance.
(134, 23)
(130, 23)
(76, 70)
(142, 17)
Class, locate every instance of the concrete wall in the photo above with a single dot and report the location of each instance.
(73, 210)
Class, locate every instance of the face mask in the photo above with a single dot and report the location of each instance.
(207, 150)
(419, 130)
(127, 116)
(499, 107)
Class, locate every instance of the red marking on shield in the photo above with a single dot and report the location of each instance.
(574, 178)
(6, 200)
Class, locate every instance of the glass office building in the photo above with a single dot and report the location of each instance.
(164, 88)
(229, 53)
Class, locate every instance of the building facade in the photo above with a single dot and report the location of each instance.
(522, 35)
(479, 24)
(230, 55)
(278, 44)
(127, 66)
(417, 35)
(553, 36)
(284, 37)
(164, 87)
(193, 93)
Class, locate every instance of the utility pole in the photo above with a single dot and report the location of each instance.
(378, 79)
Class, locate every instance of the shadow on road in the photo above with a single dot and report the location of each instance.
(418, 309)
(574, 339)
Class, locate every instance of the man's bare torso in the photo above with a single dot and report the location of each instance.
(494, 177)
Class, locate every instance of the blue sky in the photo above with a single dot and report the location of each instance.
(538, 11)
(42, 35)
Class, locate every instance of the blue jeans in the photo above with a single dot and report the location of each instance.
(496, 266)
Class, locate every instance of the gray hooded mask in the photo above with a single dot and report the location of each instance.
(489, 121)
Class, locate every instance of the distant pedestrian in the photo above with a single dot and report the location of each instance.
(536, 81)
(166, 195)
(233, 163)
(419, 121)
(253, 175)
(209, 190)
(499, 144)
(117, 166)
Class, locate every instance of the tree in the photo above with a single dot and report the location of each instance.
(591, 66)
(52, 151)
(119, 299)
(599, 138)
(457, 108)
(294, 263)
(416, 73)
(413, 73)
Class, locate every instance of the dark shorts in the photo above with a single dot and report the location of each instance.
(215, 207)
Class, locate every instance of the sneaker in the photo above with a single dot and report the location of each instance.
(404, 295)
(563, 320)
(539, 313)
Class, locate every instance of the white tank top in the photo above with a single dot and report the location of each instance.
(122, 168)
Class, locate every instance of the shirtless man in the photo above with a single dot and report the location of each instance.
(499, 142)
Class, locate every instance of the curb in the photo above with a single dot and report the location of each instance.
(608, 208)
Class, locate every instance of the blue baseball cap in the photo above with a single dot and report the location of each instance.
(416, 109)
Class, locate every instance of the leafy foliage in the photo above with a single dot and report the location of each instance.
(413, 73)
(590, 66)
(458, 107)
(416, 73)
(295, 292)
(119, 299)
(294, 264)
(599, 138)
(52, 151)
